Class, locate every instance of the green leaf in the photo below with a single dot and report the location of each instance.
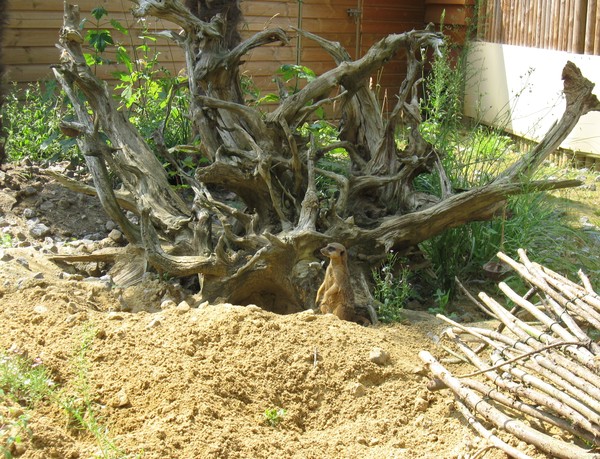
(99, 39)
(268, 99)
(117, 25)
(99, 12)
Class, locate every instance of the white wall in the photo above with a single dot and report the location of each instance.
(520, 89)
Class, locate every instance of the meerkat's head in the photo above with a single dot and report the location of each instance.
(334, 250)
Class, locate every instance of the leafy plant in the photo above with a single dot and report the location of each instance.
(393, 288)
(31, 120)
(6, 240)
(274, 416)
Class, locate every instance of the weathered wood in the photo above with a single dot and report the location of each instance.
(255, 220)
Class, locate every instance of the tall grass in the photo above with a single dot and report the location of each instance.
(473, 155)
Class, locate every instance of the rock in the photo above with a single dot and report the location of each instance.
(40, 309)
(357, 389)
(29, 213)
(29, 191)
(154, 322)
(183, 307)
(5, 256)
(120, 400)
(110, 225)
(115, 235)
(46, 206)
(113, 315)
(421, 404)
(23, 262)
(307, 316)
(379, 356)
(39, 231)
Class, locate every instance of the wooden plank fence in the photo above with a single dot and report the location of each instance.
(562, 25)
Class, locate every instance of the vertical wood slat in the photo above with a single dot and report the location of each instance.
(579, 23)
(565, 25)
(571, 35)
(520, 13)
(590, 27)
(597, 36)
(538, 24)
(560, 19)
(548, 26)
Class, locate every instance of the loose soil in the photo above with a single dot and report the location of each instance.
(172, 378)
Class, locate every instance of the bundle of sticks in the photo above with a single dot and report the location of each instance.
(537, 373)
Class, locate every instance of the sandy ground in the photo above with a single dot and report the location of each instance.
(177, 379)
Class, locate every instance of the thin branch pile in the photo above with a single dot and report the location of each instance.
(537, 373)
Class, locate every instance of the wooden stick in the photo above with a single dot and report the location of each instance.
(540, 440)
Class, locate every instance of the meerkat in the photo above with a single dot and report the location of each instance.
(335, 294)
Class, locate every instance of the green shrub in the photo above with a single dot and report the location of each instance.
(31, 120)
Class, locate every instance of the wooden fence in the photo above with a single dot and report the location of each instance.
(563, 25)
(33, 29)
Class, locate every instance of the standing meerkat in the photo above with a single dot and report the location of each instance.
(335, 294)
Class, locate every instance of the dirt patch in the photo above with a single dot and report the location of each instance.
(172, 378)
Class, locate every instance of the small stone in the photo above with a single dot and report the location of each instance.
(379, 356)
(40, 309)
(307, 316)
(38, 275)
(5, 256)
(46, 206)
(23, 262)
(113, 315)
(183, 307)
(29, 213)
(357, 389)
(110, 225)
(29, 191)
(421, 404)
(39, 231)
(115, 235)
(155, 322)
(254, 308)
(120, 400)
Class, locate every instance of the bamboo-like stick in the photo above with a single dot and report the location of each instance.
(522, 391)
(546, 443)
(533, 381)
(489, 436)
(533, 411)
(537, 313)
(586, 282)
(590, 379)
(561, 378)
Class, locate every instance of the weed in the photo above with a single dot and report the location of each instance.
(23, 383)
(6, 240)
(392, 292)
(442, 301)
(32, 116)
(78, 400)
(274, 416)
